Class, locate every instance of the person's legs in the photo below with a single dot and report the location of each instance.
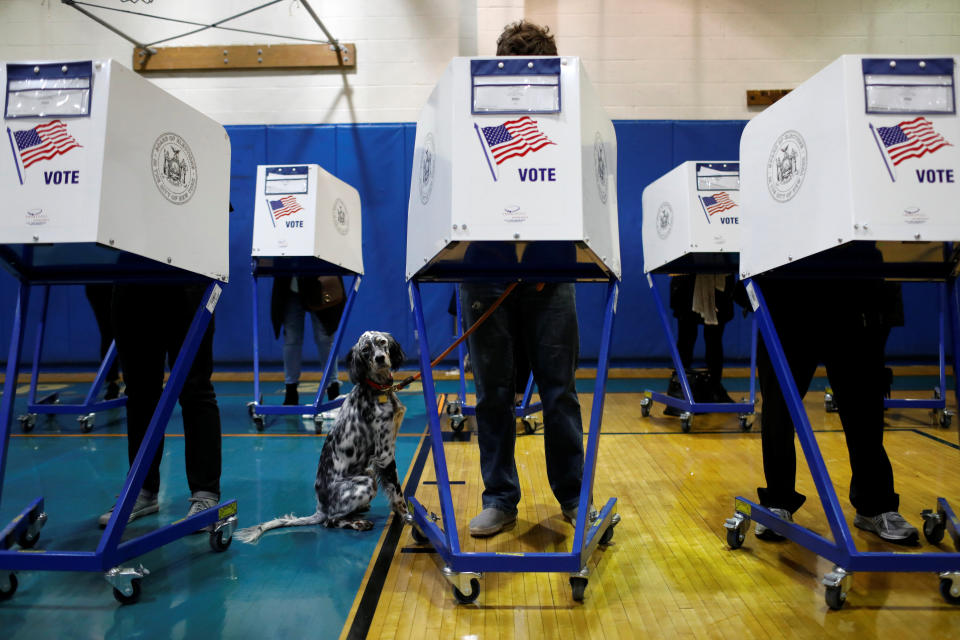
(713, 341)
(798, 340)
(324, 342)
(491, 350)
(293, 315)
(139, 317)
(713, 345)
(551, 334)
(198, 401)
(855, 368)
(100, 297)
(686, 338)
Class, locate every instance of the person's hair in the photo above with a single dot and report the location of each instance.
(526, 39)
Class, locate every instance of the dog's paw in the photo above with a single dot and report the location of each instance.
(361, 525)
(399, 507)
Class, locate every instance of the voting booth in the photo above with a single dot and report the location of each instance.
(691, 224)
(691, 215)
(514, 179)
(306, 223)
(106, 179)
(516, 154)
(862, 152)
(866, 150)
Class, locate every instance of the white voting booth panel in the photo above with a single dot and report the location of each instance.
(867, 149)
(514, 150)
(693, 208)
(302, 210)
(97, 154)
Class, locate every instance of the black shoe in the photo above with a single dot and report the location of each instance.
(719, 394)
(333, 390)
(674, 390)
(113, 391)
(292, 397)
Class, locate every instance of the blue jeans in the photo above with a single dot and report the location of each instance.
(293, 340)
(545, 322)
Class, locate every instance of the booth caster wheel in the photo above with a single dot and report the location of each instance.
(418, 536)
(735, 538)
(130, 598)
(453, 407)
(934, 525)
(949, 587)
(468, 598)
(837, 584)
(829, 404)
(736, 529)
(745, 423)
(529, 425)
(943, 418)
(578, 586)
(686, 421)
(8, 587)
(835, 597)
(27, 421)
(645, 405)
(607, 535)
(217, 541)
(86, 422)
(27, 540)
(258, 422)
(457, 422)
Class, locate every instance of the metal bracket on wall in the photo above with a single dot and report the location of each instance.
(319, 54)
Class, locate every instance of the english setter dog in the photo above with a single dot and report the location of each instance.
(359, 450)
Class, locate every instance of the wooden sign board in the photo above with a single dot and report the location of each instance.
(764, 97)
(278, 56)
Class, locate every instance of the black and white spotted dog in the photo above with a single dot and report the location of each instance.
(359, 450)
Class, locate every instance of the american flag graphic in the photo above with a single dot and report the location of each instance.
(284, 207)
(514, 139)
(43, 142)
(910, 139)
(718, 202)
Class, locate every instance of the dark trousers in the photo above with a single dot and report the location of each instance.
(687, 325)
(545, 322)
(99, 296)
(152, 323)
(825, 324)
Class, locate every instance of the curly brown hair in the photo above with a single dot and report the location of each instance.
(526, 39)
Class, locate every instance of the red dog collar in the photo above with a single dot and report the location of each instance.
(380, 387)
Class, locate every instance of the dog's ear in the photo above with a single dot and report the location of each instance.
(355, 366)
(396, 354)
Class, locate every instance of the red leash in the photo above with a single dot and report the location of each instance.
(486, 314)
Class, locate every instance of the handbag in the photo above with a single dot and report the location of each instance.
(320, 293)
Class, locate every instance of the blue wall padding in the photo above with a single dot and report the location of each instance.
(377, 160)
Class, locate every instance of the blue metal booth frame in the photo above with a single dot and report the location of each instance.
(50, 404)
(78, 264)
(298, 266)
(842, 551)
(463, 570)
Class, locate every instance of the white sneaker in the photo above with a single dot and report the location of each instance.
(768, 534)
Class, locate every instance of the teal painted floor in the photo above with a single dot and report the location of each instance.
(298, 582)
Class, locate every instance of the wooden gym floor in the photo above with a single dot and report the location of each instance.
(669, 572)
